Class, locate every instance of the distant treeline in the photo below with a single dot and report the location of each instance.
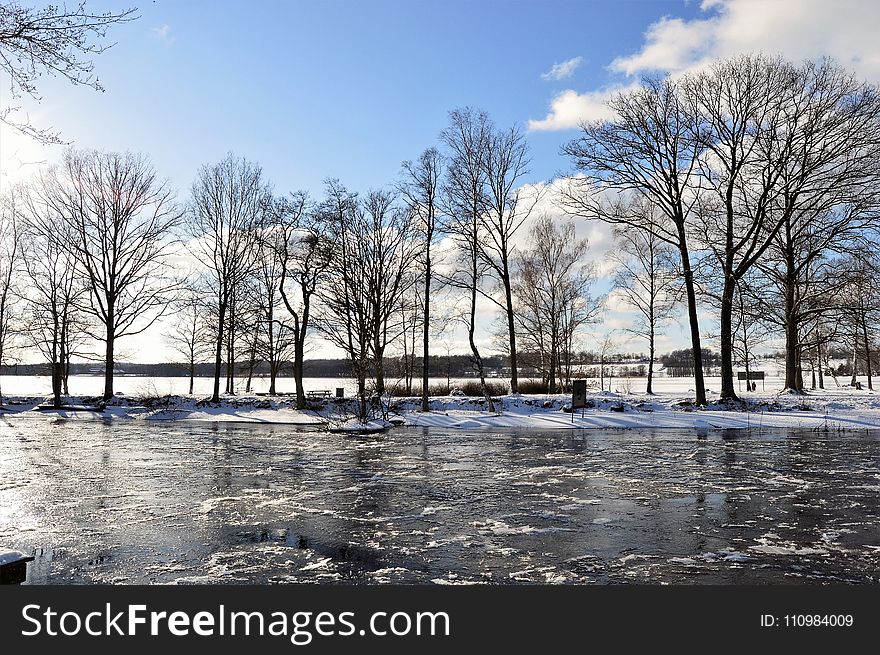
(439, 366)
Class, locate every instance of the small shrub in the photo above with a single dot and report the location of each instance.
(473, 388)
(532, 386)
(441, 389)
(539, 386)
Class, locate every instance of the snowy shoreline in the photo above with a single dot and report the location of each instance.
(828, 410)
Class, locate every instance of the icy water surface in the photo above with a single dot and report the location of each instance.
(135, 502)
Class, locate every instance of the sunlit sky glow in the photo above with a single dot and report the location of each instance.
(350, 89)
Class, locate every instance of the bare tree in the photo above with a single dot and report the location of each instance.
(861, 302)
(421, 191)
(648, 150)
(506, 208)
(771, 135)
(465, 198)
(827, 204)
(10, 256)
(647, 278)
(188, 334)
(55, 286)
(391, 246)
(345, 318)
(304, 256)
(550, 286)
(276, 337)
(228, 202)
(122, 217)
(54, 40)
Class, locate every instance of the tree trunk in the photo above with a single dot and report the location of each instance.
(273, 356)
(649, 390)
(218, 359)
(727, 389)
(252, 363)
(478, 361)
(362, 396)
(65, 379)
(511, 330)
(855, 363)
(693, 320)
(56, 373)
(867, 350)
(821, 364)
(379, 364)
(108, 364)
(426, 329)
(298, 373)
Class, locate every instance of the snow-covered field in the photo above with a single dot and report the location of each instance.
(627, 407)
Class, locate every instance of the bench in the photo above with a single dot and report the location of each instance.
(319, 393)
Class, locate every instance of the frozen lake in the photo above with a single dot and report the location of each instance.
(135, 502)
(133, 385)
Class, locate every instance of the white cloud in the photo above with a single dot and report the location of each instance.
(163, 33)
(563, 70)
(570, 108)
(796, 29)
(672, 44)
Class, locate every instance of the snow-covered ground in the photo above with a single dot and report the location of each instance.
(627, 407)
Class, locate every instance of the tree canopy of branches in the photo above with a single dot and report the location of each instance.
(740, 157)
(304, 258)
(464, 190)
(122, 217)
(420, 188)
(54, 39)
(56, 288)
(229, 200)
(551, 284)
(10, 255)
(647, 150)
(646, 279)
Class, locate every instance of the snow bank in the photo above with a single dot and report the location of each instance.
(356, 426)
(836, 409)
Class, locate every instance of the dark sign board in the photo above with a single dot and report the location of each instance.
(753, 375)
(578, 394)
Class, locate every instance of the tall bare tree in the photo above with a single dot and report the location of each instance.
(467, 139)
(304, 255)
(647, 278)
(827, 203)
(421, 190)
(53, 39)
(391, 245)
(550, 287)
(188, 334)
(507, 206)
(275, 335)
(10, 256)
(648, 150)
(55, 287)
(346, 318)
(123, 217)
(228, 203)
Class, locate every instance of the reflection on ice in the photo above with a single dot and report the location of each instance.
(194, 503)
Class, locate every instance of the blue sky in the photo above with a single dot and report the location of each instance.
(349, 89)
(336, 88)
